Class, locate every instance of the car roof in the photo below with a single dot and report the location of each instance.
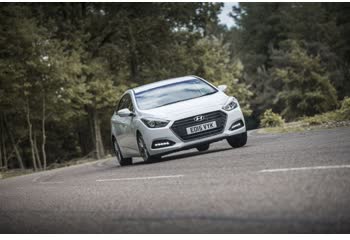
(162, 83)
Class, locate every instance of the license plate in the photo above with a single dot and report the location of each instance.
(201, 127)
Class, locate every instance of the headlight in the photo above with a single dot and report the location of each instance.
(230, 104)
(154, 123)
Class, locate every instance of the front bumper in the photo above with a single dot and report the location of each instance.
(167, 133)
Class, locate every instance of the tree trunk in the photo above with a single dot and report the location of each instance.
(3, 142)
(92, 131)
(134, 62)
(1, 150)
(43, 130)
(14, 144)
(99, 149)
(99, 142)
(27, 109)
(84, 136)
(37, 155)
(5, 152)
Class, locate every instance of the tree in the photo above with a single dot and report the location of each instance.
(34, 69)
(212, 61)
(20, 50)
(306, 87)
(262, 29)
(63, 66)
(121, 44)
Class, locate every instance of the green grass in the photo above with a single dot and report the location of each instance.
(321, 121)
(336, 118)
(283, 129)
(332, 119)
(14, 173)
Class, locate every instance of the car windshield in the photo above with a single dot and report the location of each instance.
(172, 93)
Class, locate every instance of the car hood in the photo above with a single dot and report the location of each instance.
(188, 108)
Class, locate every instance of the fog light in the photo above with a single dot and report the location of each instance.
(236, 125)
(162, 143)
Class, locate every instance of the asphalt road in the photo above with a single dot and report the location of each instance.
(281, 183)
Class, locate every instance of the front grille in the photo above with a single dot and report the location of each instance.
(179, 126)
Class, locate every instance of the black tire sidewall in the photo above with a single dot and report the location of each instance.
(122, 161)
(238, 140)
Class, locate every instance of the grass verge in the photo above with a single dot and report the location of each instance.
(18, 172)
(322, 121)
(301, 126)
(332, 119)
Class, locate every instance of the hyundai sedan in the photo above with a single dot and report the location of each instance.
(172, 115)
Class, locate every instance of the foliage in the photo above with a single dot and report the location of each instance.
(63, 67)
(322, 32)
(306, 88)
(216, 66)
(336, 118)
(271, 119)
(206, 57)
(341, 114)
(323, 118)
(345, 108)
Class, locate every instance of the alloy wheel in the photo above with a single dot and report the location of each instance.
(142, 147)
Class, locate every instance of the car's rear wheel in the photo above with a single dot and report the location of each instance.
(238, 140)
(203, 147)
(121, 160)
(143, 150)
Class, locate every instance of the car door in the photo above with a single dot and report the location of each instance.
(124, 127)
(130, 139)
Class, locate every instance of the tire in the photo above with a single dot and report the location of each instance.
(203, 147)
(121, 160)
(143, 150)
(238, 140)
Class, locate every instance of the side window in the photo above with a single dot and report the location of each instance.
(121, 103)
(126, 102)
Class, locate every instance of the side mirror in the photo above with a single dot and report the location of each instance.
(222, 88)
(125, 113)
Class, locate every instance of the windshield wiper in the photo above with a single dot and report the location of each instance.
(187, 99)
(210, 93)
(175, 102)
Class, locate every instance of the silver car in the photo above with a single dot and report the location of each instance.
(175, 114)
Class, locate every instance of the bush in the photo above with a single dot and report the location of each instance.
(271, 119)
(345, 108)
(327, 117)
(338, 115)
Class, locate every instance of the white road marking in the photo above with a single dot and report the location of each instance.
(304, 168)
(49, 182)
(36, 180)
(138, 178)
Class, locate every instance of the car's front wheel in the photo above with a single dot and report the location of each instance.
(121, 160)
(238, 140)
(143, 150)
